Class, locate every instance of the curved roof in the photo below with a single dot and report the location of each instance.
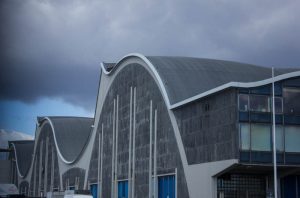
(22, 150)
(71, 134)
(185, 79)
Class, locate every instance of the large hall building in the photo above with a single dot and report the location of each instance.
(167, 127)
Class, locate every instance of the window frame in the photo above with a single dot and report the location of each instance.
(269, 103)
(248, 102)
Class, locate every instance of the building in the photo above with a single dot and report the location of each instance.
(174, 127)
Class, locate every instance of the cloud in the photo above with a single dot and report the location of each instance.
(53, 48)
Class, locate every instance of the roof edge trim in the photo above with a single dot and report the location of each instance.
(152, 68)
(201, 95)
(236, 84)
(22, 176)
(56, 145)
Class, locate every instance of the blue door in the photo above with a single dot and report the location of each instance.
(123, 189)
(166, 186)
(94, 190)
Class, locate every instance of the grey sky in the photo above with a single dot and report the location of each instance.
(53, 48)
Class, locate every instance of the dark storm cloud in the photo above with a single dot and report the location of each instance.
(53, 48)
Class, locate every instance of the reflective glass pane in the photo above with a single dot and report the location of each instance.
(245, 136)
(259, 103)
(260, 137)
(279, 138)
(278, 104)
(291, 100)
(243, 102)
(292, 137)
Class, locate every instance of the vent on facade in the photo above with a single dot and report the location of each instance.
(206, 107)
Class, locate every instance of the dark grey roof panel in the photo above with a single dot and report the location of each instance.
(72, 134)
(185, 77)
(24, 151)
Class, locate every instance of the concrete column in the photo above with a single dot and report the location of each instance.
(133, 142)
(130, 145)
(150, 151)
(46, 167)
(40, 168)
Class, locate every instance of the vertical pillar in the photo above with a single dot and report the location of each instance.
(46, 167)
(40, 168)
(113, 152)
(133, 142)
(98, 166)
(155, 154)
(101, 163)
(150, 151)
(116, 151)
(52, 168)
(34, 176)
(130, 145)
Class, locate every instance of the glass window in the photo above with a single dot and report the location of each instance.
(279, 138)
(244, 136)
(260, 137)
(243, 102)
(278, 104)
(292, 137)
(291, 100)
(259, 103)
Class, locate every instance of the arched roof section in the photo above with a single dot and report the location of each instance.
(71, 134)
(23, 151)
(184, 79)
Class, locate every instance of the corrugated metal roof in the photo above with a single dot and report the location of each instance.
(185, 77)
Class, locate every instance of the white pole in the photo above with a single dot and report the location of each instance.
(116, 151)
(101, 163)
(99, 147)
(150, 151)
(113, 153)
(130, 144)
(133, 143)
(155, 154)
(274, 136)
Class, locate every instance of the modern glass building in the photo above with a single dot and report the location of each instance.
(173, 127)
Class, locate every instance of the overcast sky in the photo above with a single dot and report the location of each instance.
(51, 49)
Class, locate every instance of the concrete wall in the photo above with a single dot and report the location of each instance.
(208, 128)
(168, 158)
(69, 178)
(38, 176)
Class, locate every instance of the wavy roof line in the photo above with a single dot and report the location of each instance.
(184, 79)
(67, 132)
(22, 150)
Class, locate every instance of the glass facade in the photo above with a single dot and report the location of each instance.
(260, 137)
(260, 103)
(291, 100)
(279, 138)
(255, 117)
(245, 136)
(292, 139)
(243, 102)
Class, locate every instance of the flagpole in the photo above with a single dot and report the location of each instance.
(274, 136)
